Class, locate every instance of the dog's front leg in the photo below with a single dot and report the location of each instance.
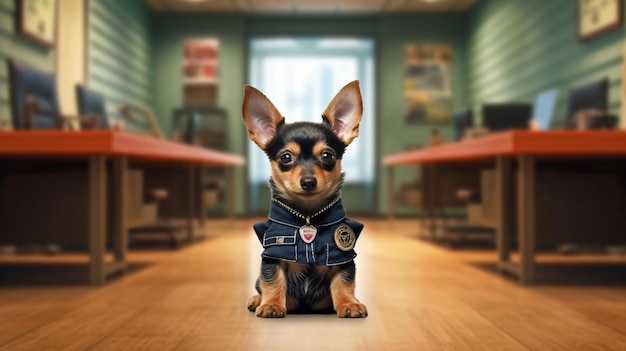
(273, 286)
(342, 292)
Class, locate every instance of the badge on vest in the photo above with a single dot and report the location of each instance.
(308, 233)
(344, 237)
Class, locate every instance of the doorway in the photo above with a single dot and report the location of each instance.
(300, 76)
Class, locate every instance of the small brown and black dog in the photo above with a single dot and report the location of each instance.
(308, 258)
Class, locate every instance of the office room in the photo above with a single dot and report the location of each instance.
(201, 174)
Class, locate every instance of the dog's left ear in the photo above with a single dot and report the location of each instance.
(344, 112)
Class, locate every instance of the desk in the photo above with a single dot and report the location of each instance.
(525, 163)
(93, 151)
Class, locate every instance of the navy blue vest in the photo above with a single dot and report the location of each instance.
(281, 239)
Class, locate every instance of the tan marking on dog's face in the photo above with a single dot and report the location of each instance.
(288, 181)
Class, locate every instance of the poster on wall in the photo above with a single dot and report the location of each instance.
(200, 71)
(427, 87)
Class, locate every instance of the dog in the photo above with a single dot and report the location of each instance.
(307, 265)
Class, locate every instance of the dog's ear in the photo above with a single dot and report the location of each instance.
(260, 116)
(344, 112)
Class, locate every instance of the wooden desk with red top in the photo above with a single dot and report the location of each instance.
(529, 165)
(93, 150)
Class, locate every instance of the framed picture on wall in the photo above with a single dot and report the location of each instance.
(598, 17)
(37, 21)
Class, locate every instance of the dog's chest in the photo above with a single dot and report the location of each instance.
(308, 282)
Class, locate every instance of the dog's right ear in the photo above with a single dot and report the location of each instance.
(260, 116)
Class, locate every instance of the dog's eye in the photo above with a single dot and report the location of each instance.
(286, 158)
(328, 157)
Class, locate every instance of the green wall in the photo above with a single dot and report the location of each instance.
(517, 49)
(14, 46)
(120, 55)
(392, 33)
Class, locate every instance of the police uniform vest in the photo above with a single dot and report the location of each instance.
(332, 244)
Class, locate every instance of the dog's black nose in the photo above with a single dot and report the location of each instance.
(308, 183)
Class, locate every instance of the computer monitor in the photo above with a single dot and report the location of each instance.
(497, 117)
(543, 110)
(590, 96)
(462, 120)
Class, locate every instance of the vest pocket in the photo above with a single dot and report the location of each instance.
(278, 238)
(334, 256)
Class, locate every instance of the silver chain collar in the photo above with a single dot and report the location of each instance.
(307, 219)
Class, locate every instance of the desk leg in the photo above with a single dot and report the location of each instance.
(230, 185)
(97, 219)
(390, 193)
(428, 191)
(200, 172)
(191, 185)
(120, 191)
(526, 218)
(504, 206)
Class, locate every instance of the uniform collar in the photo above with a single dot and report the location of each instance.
(333, 215)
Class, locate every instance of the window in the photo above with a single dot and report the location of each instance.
(300, 76)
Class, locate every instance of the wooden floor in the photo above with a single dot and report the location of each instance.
(420, 296)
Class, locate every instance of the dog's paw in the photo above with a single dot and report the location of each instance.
(352, 310)
(271, 310)
(254, 302)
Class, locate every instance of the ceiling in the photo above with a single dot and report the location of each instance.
(311, 6)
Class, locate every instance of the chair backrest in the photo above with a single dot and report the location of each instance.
(192, 128)
(92, 103)
(590, 96)
(462, 120)
(543, 109)
(28, 83)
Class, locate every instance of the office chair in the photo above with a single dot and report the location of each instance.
(35, 103)
(33, 98)
(587, 107)
(185, 126)
(91, 103)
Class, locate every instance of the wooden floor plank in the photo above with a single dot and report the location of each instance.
(419, 296)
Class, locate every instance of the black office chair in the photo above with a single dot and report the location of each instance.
(191, 131)
(589, 101)
(35, 103)
(34, 99)
(92, 103)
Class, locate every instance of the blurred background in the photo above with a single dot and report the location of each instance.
(418, 62)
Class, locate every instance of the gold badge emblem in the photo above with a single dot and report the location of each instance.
(344, 237)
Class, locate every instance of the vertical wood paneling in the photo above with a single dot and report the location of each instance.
(119, 55)
(13, 46)
(516, 49)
